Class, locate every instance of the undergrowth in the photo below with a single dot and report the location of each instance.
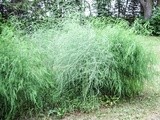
(67, 68)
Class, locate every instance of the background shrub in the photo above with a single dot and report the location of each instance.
(102, 22)
(149, 27)
(142, 27)
(155, 22)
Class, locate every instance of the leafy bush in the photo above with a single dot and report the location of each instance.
(142, 27)
(102, 22)
(155, 22)
(149, 27)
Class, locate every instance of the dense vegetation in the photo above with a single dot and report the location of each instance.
(52, 60)
(38, 11)
(68, 66)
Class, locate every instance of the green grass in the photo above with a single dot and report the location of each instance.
(24, 78)
(68, 67)
(146, 106)
(106, 62)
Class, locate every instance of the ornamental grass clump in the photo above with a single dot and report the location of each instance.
(68, 66)
(24, 79)
(98, 62)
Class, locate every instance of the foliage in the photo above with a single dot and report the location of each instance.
(149, 27)
(24, 78)
(102, 22)
(142, 27)
(155, 22)
(38, 10)
(68, 68)
(105, 62)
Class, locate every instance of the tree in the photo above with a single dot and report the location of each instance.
(101, 7)
(158, 3)
(147, 8)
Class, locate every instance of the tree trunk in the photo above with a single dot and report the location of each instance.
(158, 3)
(148, 9)
(119, 7)
(147, 6)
